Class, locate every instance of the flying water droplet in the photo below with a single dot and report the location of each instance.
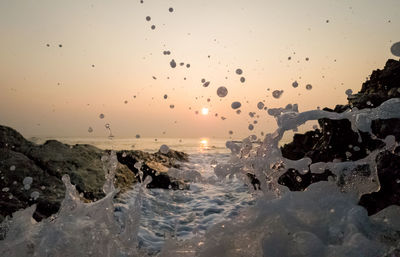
(395, 49)
(236, 105)
(222, 91)
(172, 63)
(277, 93)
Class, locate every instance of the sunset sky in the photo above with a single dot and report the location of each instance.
(63, 63)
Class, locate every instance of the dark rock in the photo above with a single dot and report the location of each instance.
(296, 181)
(388, 166)
(382, 85)
(254, 181)
(47, 163)
(153, 165)
(336, 140)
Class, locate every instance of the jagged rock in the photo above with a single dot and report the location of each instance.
(47, 163)
(336, 140)
(150, 167)
(388, 166)
(296, 181)
(382, 85)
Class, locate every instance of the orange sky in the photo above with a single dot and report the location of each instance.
(55, 91)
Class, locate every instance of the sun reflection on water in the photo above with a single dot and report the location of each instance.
(204, 145)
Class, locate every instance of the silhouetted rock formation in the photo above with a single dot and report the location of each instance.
(42, 167)
(336, 140)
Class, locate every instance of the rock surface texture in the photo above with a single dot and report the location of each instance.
(31, 173)
(335, 140)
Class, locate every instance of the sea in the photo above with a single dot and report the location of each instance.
(179, 214)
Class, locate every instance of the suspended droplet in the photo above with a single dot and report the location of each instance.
(222, 91)
(236, 105)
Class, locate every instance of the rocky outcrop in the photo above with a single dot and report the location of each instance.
(32, 173)
(335, 140)
(154, 165)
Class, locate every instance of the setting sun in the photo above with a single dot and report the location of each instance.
(204, 111)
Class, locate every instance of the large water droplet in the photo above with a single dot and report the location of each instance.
(236, 105)
(222, 91)
(277, 93)
(395, 49)
(172, 63)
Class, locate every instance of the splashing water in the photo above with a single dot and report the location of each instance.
(324, 220)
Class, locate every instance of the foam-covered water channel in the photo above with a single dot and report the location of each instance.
(183, 214)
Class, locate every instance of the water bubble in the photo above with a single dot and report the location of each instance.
(153, 27)
(251, 127)
(295, 84)
(164, 149)
(137, 136)
(206, 84)
(349, 92)
(101, 116)
(239, 71)
(172, 63)
(277, 93)
(27, 182)
(35, 195)
(395, 49)
(90, 130)
(308, 86)
(12, 167)
(138, 165)
(148, 18)
(260, 105)
(236, 105)
(165, 96)
(171, 9)
(222, 91)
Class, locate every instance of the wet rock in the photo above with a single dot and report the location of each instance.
(382, 85)
(156, 165)
(336, 140)
(388, 166)
(42, 166)
(296, 181)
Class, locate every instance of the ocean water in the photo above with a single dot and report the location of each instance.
(220, 215)
(187, 145)
(179, 214)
